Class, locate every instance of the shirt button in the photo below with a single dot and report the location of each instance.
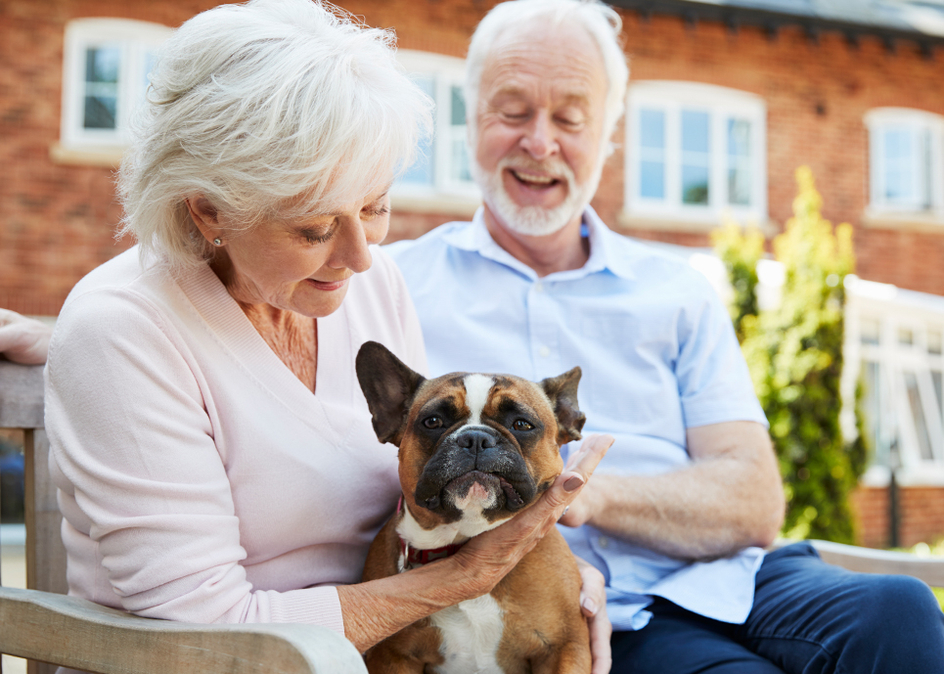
(538, 287)
(544, 351)
(604, 542)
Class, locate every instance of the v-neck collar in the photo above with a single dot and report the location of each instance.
(235, 334)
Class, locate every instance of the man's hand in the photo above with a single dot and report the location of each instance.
(593, 606)
(23, 340)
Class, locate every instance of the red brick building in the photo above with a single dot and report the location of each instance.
(726, 101)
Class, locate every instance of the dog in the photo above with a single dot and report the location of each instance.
(475, 450)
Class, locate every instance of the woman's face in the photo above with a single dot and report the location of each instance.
(296, 265)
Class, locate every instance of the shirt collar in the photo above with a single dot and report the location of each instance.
(476, 238)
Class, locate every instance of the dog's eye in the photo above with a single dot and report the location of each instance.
(522, 425)
(433, 422)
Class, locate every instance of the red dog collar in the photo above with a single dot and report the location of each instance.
(415, 557)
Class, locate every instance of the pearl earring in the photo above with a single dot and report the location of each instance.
(217, 241)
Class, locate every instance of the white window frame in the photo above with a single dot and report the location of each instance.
(721, 103)
(445, 195)
(135, 39)
(895, 310)
(879, 120)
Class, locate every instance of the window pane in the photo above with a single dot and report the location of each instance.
(869, 331)
(421, 172)
(739, 162)
(934, 342)
(460, 161)
(695, 157)
(905, 336)
(101, 87)
(870, 403)
(936, 380)
(652, 154)
(917, 413)
(924, 188)
(458, 107)
(899, 163)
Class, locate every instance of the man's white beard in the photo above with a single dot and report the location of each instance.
(535, 220)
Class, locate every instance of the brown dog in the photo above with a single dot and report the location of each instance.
(475, 450)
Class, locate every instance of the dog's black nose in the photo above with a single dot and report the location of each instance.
(476, 440)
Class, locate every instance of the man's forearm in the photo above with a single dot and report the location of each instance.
(728, 498)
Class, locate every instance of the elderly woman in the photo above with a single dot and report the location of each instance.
(213, 453)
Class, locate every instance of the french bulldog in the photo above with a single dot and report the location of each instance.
(474, 451)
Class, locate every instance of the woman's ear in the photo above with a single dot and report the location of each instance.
(205, 217)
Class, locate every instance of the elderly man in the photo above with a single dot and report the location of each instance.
(677, 516)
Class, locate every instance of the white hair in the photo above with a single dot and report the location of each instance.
(599, 20)
(269, 109)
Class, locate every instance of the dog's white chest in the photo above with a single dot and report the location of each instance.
(471, 632)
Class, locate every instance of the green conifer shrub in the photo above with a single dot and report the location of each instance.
(794, 353)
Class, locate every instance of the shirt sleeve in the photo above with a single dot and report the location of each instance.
(714, 382)
(133, 454)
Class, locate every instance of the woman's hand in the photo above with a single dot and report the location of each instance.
(375, 609)
(488, 557)
(23, 340)
(593, 606)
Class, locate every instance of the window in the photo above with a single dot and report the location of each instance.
(105, 68)
(695, 152)
(906, 167)
(894, 347)
(440, 178)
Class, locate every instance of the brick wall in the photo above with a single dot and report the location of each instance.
(921, 515)
(58, 220)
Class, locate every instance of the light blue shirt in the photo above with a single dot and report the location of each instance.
(658, 355)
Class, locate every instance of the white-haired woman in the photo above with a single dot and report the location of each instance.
(213, 453)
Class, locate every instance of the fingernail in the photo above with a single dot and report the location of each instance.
(573, 483)
(589, 605)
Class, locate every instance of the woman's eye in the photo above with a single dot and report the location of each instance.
(433, 422)
(376, 211)
(522, 425)
(313, 237)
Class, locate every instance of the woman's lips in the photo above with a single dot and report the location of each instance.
(328, 286)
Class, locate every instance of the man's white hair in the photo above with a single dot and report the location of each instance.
(270, 109)
(600, 21)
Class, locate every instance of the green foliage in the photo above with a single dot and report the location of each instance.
(794, 353)
(740, 252)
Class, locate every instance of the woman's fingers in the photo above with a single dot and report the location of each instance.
(489, 556)
(593, 606)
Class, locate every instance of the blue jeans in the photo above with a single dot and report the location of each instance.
(808, 617)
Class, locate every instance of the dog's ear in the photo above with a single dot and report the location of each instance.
(389, 387)
(562, 390)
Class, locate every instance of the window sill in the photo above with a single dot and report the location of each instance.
(921, 476)
(108, 157)
(914, 222)
(678, 222)
(458, 205)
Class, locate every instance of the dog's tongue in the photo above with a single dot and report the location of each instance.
(482, 490)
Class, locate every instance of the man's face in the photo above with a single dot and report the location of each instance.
(539, 135)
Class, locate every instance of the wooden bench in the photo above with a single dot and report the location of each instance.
(45, 626)
(42, 624)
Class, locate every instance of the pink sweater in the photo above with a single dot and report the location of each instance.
(199, 479)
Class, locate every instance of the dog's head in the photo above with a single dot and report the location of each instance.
(471, 445)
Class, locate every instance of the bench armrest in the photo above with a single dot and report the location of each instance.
(76, 633)
(867, 560)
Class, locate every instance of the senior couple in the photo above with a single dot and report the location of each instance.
(214, 456)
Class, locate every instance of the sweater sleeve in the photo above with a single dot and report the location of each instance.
(141, 480)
